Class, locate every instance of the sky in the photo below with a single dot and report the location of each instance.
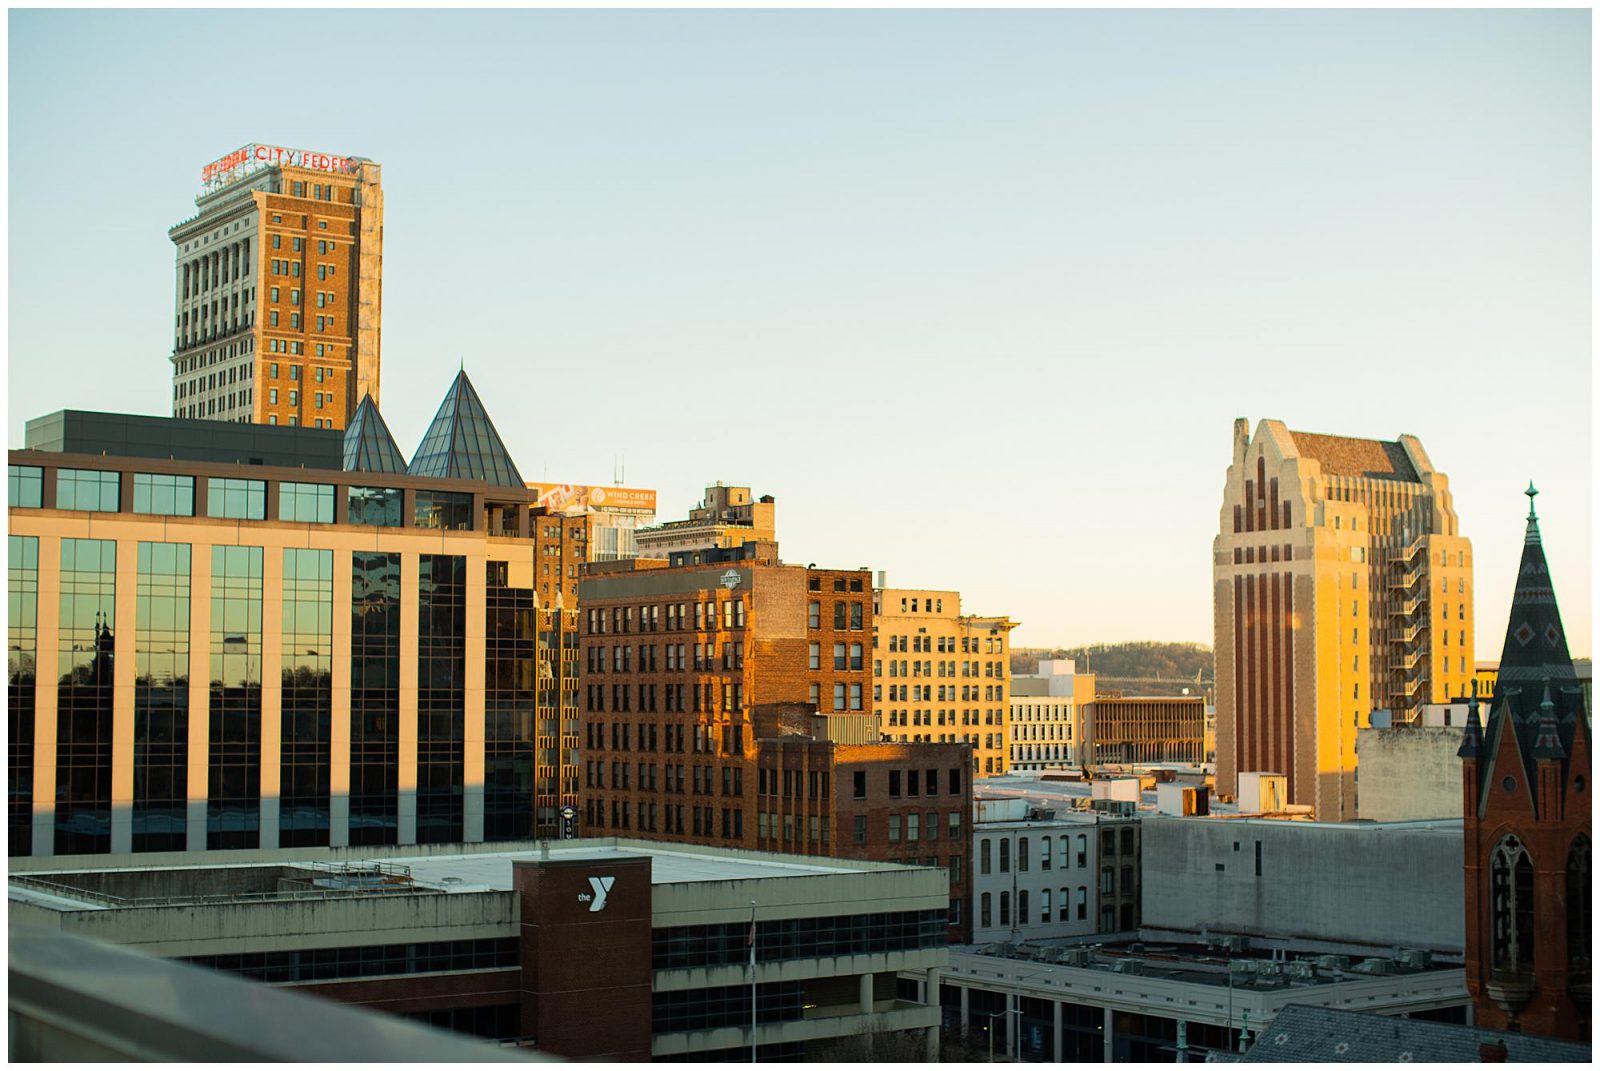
(976, 295)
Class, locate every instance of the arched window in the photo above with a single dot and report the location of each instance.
(1022, 907)
(1005, 858)
(1044, 905)
(1044, 854)
(1579, 907)
(1022, 854)
(1511, 906)
(985, 918)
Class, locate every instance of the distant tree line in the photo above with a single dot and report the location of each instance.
(1140, 666)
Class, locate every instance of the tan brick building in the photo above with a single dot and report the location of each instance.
(940, 676)
(1341, 584)
(728, 517)
(279, 290)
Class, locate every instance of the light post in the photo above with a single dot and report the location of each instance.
(1015, 1039)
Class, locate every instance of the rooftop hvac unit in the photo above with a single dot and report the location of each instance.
(1237, 942)
(1334, 963)
(1077, 957)
(1300, 971)
(1415, 958)
(1245, 968)
(1124, 966)
(1372, 966)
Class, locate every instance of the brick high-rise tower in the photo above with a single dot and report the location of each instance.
(1526, 819)
(279, 289)
(1342, 585)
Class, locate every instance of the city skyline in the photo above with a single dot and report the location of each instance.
(1022, 315)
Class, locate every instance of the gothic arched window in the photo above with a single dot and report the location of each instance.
(1511, 906)
(1579, 907)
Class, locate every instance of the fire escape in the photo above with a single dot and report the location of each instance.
(1408, 632)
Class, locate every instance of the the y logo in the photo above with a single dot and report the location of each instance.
(601, 887)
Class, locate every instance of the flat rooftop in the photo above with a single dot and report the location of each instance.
(376, 873)
(1199, 964)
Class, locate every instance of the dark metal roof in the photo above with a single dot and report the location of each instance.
(1305, 1034)
(462, 442)
(1340, 455)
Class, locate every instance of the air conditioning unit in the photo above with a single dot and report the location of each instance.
(1242, 968)
(1300, 971)
(1237, 942)
(1415, 958)
(1372, 966)
(1334, 963)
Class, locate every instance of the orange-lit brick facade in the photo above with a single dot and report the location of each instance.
(279, 297)
(700, 683)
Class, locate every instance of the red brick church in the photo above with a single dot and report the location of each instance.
(1525, 788)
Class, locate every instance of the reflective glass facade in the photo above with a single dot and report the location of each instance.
(161, 699)
(374, 698)
(88, 489)
(87, 663)
(381, 507)
(25, 486)
(444, 509)
(308, 503)
(441, 697)
(303, 813)
(233, 804)
(167, 496)
(22, 646)
(510, 680)
(244, 500)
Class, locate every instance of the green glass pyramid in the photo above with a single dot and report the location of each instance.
(462, 443)
(368, 446)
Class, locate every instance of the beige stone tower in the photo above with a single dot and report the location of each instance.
(1342, 585)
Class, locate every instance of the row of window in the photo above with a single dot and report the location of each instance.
(366, 961)
(1066, 904)
(725, 944)
(97, 491)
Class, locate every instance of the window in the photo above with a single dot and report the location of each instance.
(894, 829)
(1044, 854)
(379, 507)
(814, 615)
(448, 510)
(1511, 907)
(25, 486)
(165, 496)
(1005, 855)
(310, 503)
(1005, 906)
(89, 490)
(861, 828)
(244, 500)
(859, 785)
(894, 784)
(983, 855)
(1022, 855)
(984, 919)
(838, 697)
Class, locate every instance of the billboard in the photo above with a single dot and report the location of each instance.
(570, 498)
(252, 158)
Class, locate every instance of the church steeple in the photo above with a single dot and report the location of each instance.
(1535, 645)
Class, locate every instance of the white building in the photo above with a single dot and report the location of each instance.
(1040, 874)
(1047, 710)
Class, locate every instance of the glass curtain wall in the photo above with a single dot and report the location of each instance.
(307, 726)
(441, 698)
(161, 699)
(374, 698)
(84, 698)
(233, 804)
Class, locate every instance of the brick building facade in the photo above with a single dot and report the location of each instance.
(728, 703)
(1527, 817)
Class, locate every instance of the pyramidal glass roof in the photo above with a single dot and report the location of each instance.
(462, 443)
(368, 446)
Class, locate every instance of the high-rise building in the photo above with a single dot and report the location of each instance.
(1529, 855)
(1342, 584)
(728, 702)
(943, 676)
(1049, 710)
(279, 289)
(285, 637)
(728, 517)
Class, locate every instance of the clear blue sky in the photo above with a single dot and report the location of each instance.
(977, 296)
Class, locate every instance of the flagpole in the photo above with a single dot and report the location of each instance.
(752, 943)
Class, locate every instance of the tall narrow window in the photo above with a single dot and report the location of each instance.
(303, 813)
(161, 700)
(1579, 907)
(374, 697)
(87, 653)
(22, 644)
(233, 804)
(1511, 907)
(441, 698)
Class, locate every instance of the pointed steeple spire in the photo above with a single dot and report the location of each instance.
(1547, 745)
(462, 443)
(1472, 735)
(368, 446)
(1535, 644)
